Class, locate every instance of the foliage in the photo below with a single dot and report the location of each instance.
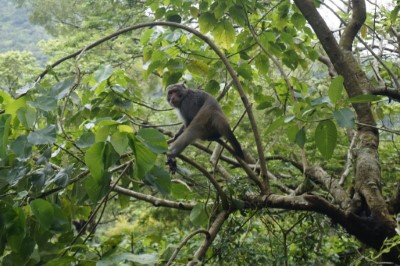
(19, 34)
(84, 145)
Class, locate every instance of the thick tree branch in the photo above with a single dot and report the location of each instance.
(213, 231)
(331, 184)
(357, 20)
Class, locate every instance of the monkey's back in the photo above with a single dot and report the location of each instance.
(193, 102)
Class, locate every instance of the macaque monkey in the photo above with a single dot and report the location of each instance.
(202, 118)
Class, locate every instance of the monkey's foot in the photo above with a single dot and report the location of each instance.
(171, 162)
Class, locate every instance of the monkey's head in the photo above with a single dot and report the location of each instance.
(175, 94)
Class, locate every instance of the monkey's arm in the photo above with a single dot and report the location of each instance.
(177, 134)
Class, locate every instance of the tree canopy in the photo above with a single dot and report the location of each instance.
(311, 90)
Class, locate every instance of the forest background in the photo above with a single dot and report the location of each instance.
(311, 89)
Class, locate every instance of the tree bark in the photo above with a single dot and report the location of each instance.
(376, 223)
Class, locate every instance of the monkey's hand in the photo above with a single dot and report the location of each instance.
(171, 162)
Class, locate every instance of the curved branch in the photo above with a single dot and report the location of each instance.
(213, 231)
(221, 55)
(184, 241)
(219, 189)
(157, 202)
(358, 17)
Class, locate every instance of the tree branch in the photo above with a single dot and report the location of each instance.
(157, 202)
(357, 20)
(213, 231)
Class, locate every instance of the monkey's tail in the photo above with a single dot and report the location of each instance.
(235, 144)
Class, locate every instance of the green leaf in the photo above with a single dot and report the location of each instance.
(245, 71)
(160, 179)
(394, 14)
(27, 116)
(198, 215)
(301, 137)
(13, 223)
(207, 22)
(212, 87)
(120, 142)
(367, 98)
(62, 177)
(274, 125)
(158, 59)
(292, 132)
(173, 35)
(173, 16)
(21, 147)
(198, 67)
(152, 139)
(45, 103)
(103, 73)
(262, 64)
(43, 211)
(298, 21)
(159, 13)
(5, 120)
(336, 89)
(61, 89)
(86, 140)
(94, 160)
(97, 189)
(267, 37)
(224, 34)
(325, 138)
(145, 158)
(238, 15)
(291, 59)
(180, 191)
(46, 135)
(344, 117)
(24, 89)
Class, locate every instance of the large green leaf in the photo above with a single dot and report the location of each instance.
(245, 71)
(46, 135)
(61, 89)
(207, 22)
(224, 34)
(364, 98)
(43, 211)
(301, 137)
(86, 140)
(94, 160)
(21, 147)
(344, 117)
(27, 116)
(325, 138)
(198, 215)
(160, 179)
(152, 139)
(336, 89)
(103, 73)
(97, 188)
(238, 14)
(46, 103)
(5, 120)
(120, 142)
(145, 158)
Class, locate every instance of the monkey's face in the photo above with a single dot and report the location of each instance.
(175, 96)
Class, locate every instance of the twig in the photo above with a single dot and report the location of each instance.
(184, 241)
